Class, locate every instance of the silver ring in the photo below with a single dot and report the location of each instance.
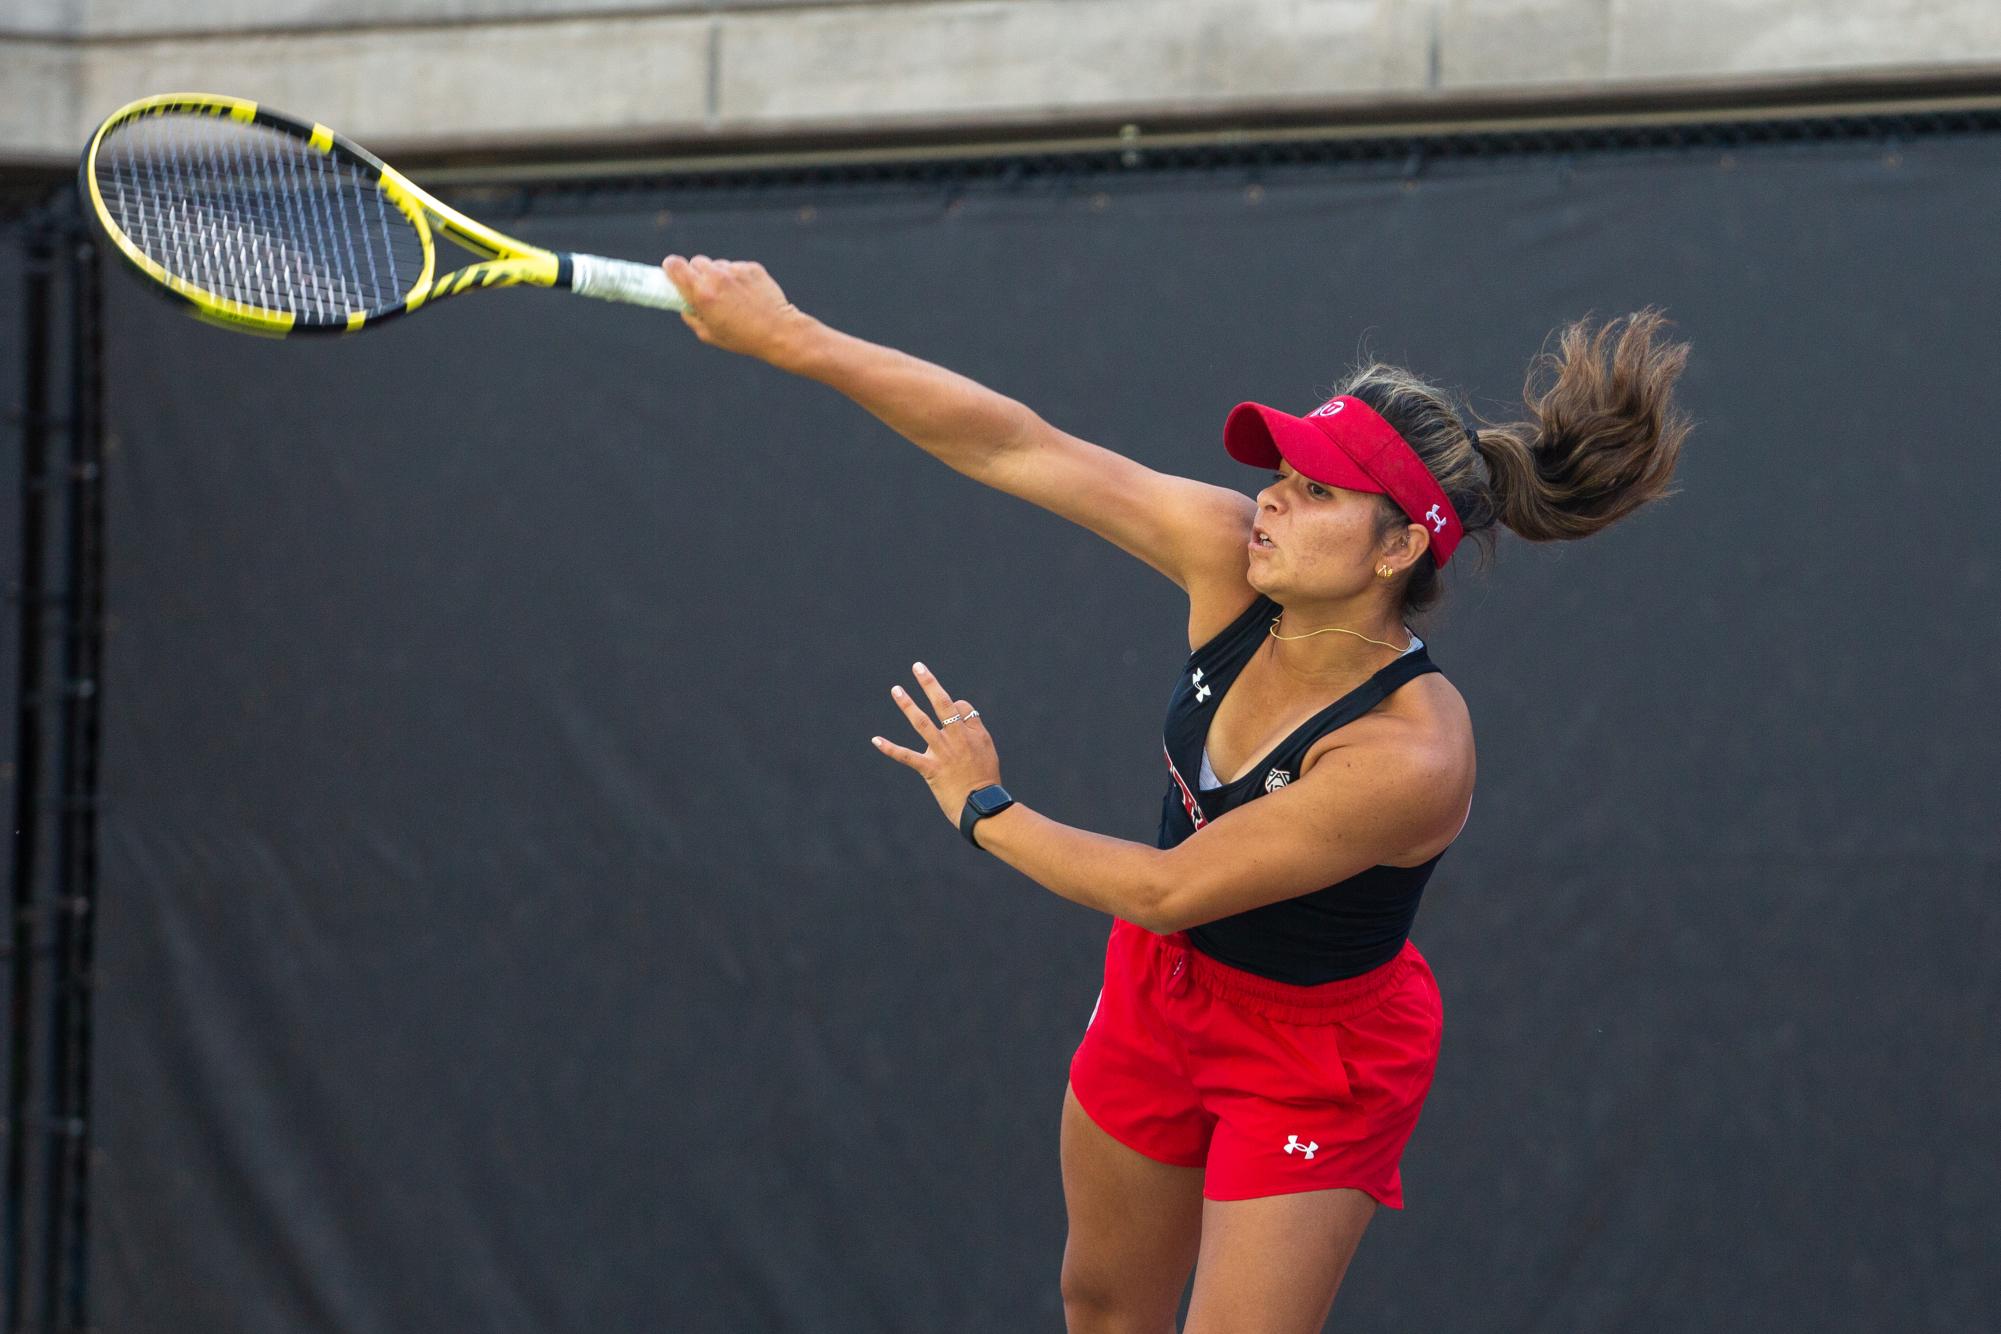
(955, 718)
(971, 714)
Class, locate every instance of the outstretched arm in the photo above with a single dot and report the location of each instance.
(1190, 531)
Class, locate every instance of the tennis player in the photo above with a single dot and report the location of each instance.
(1266, 1033)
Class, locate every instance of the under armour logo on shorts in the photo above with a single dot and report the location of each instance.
(1292, 1145)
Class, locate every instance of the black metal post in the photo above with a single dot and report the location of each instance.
(65, 1261)
(30, 597)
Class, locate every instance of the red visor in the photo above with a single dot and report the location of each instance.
(1344, 443)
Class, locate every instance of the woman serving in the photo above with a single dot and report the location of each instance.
(1266, 1033)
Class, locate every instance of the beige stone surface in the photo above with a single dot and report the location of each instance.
(38, 81)
(1709, 38)
(1029, 58)
(101, 18)
(434, 85)
(105, 18)
(39, 16)
(453, 73)
(1500, 43)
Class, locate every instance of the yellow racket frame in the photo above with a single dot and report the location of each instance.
(504, 261)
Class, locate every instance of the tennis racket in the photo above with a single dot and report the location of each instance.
(268, 224)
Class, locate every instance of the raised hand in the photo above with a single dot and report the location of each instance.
(959, 755)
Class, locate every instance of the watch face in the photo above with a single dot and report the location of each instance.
(990, 799)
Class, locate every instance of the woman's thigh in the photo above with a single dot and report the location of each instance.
(1273, 1265)
(1135, 1226)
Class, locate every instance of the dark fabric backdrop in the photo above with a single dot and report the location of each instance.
(506, 924)
(13, 382)
(13, 365)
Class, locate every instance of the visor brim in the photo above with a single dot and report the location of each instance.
(1261, 436)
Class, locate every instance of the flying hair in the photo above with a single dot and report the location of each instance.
(1601, 439)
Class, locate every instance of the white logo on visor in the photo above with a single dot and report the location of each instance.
(1329, 408)
(1437, 519)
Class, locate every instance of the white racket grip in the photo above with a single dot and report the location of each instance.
(622, 280)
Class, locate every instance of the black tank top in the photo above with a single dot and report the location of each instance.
(1340, 931)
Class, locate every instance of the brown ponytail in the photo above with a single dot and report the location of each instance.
(1604, 437)
(1602, 440)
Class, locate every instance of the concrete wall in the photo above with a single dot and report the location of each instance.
(436, 75)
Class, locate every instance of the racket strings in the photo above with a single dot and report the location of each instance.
(256, 216)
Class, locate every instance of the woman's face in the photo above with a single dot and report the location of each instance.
(1313, 541)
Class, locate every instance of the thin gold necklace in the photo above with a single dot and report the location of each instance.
(1328, 629)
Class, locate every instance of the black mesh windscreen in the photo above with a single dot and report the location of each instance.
(506, 924)
(14, 372)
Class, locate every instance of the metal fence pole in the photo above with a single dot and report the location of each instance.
(30, 596)
(65, 1262)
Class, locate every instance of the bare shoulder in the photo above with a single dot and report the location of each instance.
(1218, 570)
(1417, 746)
(1427, 719)
(1432, 705)
(1224, 526)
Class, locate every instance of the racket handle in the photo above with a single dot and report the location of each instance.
(622, 280)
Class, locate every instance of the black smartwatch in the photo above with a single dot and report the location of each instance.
(980, 803)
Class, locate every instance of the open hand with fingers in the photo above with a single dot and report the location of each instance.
(734, 305)
(959, 755)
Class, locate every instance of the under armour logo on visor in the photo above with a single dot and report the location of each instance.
(1437, 519)
(1292, 1145)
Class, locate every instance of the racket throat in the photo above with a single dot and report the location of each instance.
(529, 270)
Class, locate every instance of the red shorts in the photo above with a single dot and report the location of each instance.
(1270, 1088)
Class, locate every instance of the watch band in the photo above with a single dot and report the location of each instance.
(976, 810)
